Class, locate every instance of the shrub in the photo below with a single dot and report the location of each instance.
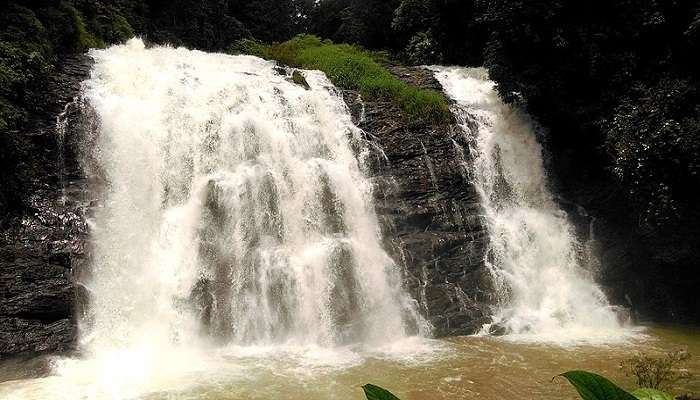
(251, 47)
(33, 36)
(655, 140)
(657, 372)
(422, 49)
(105, 21)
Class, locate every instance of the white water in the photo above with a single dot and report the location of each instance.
(237, 221)
(544, 291)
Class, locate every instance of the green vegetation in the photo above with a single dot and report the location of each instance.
(373, 392)
(591, 386)
(350, 67)
(32, 40)
(657, 372)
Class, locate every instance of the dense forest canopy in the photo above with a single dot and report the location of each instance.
(616, 82)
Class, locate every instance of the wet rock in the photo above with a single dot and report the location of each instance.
(41, 246)
(299, 79)
(416, 76)
(430, 213)
(623, 314)
(497, 330)
(23, 336)
(34, 288)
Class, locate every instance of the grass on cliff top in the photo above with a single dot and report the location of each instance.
(350, 67)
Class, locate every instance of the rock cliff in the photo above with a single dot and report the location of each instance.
(41, 246)
(430, 212)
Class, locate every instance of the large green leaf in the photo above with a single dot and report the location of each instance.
(594, 387)
(376, 393)
(651, 394)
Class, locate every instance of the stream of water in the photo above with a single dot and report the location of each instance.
(545, 289)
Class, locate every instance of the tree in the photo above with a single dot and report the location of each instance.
(203, 24)
(270, 20)
(363, 22)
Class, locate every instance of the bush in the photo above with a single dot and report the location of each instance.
(107, 23)
(655, 141)
(66, 29)
(251, 47)
(422, 49)
(657, 372)
(33, 36)
(350, 67)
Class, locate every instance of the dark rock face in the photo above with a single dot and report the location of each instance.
(651, 273)
(430, 213)
(42, 246)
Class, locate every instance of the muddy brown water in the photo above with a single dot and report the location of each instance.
(456, 368)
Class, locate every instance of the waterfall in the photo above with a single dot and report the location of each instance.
(236, 210)
(544, 291)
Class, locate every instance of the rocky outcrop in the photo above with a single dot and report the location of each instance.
(430, 213)
(41, 246)
(650, 272)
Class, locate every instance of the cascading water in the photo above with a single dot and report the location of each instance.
(236, 215)
(544, 293)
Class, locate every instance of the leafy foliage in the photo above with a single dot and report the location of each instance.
(33, 37)
(365, 22)
(373, 392)
(598, 74)
(655, 140)
(251, 47)
(268, 20)
(454, 26)
(651, 394)
(207, 25)
(657, 372)
(421, 49)
(592, 386)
